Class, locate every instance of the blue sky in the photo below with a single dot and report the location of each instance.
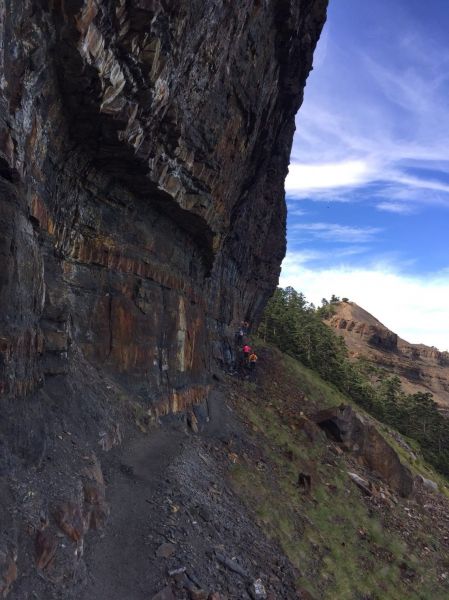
(368, 186)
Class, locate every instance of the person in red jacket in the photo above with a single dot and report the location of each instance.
(246, 352)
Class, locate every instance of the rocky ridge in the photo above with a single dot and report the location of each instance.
(421, 368)
(143, 150)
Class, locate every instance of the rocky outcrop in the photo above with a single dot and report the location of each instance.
(361, 437)
(374, 335)
(143, 150)
(421, 368)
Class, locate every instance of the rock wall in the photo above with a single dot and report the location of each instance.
(143, 150)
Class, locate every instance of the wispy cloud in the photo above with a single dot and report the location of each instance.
(309, 256)
(297, 212)
(396, 207)
(335, 232)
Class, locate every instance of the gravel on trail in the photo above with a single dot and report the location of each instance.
(176, 528)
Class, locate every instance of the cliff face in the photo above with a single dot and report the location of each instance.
(421, 368)
(144, 145)
(143, 150)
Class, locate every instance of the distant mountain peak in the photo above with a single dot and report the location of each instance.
(420, 367)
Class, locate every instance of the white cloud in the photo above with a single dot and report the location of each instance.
(400, 208)
(417, 308)
(334, 232)
(303, 177)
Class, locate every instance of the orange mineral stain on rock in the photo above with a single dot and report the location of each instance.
(8, 571)
(69, 519)
(46, 544)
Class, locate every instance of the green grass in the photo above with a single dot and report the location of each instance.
(321, 394)
(339, 546)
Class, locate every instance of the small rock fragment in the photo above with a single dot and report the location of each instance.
(198, 594)
(178, 571)
(165, 550)
(192, 422)
(233, 457)
(257, 590)
(361, 483)
(204, 513)
(231, 565)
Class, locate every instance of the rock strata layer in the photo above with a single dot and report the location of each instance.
(143, 150)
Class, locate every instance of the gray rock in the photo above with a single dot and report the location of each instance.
(166, 550)
(257, 590)
(428, 484)
(361, 483)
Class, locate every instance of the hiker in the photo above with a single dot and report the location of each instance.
(239, 336)
(244, 327)
(252, 361)
(246, 352)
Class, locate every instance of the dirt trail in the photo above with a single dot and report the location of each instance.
(120, 564)
(170, 487)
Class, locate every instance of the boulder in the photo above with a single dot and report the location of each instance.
(310, 429)
(360, 436)
(428, 484)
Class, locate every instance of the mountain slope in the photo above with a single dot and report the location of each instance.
(421, 368)
(347, 542)
(261, 489)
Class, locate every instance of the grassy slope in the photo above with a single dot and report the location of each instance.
(343, 545)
